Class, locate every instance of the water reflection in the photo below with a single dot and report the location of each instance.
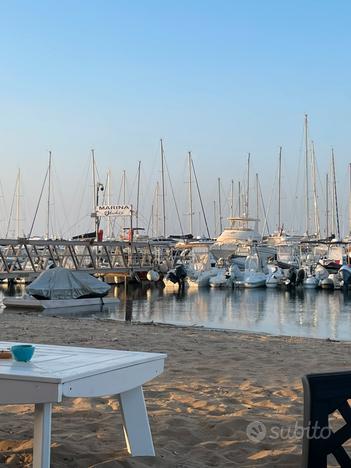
(322, 313)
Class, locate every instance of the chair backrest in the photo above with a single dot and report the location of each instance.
(323, 395)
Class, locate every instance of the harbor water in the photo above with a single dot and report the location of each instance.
(299, 312)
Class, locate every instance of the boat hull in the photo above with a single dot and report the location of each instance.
(36, 304)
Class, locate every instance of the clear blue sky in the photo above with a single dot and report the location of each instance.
(220, 78)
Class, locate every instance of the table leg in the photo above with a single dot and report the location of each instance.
(42, 435)
(136, 423)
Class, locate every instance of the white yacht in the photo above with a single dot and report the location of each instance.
(238, 240)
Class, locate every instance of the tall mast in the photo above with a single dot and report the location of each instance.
(248, 186)
(335, 195)
(306, 177)
(138, 196)
(315, 201)
(232, 198)
(349, 199)
(219, 205)
(49, 196)
(18, 195)
(327, 204)
(200, 198)
(257, 205)
(239, 197)
(190, 197)
(94, 190)
(215, 218)
(279, 189)
(108, 190)
(163, 189)
(124, 194)
(157, 227)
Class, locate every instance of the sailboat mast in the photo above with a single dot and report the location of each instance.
(190, 197)
(349, 199)
(257, 205)
(239, 197)
(219, 205)
(94, 190)
(279, 189)
(108, 202)
(157, 227)
(306, 177)
(248, 186)
(49, 196)
(163, 189)
(200, 198)
(18, 195)
(232, 198)
(335, 195)
(315, 201)
(327, 204)
(138, 197)
(215, 218)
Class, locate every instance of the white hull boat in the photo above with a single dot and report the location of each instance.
(30, 302)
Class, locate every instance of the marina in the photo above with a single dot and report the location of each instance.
(301, 313)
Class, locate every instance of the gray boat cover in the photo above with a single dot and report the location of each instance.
(61, 283)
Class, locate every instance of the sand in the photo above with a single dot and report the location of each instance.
(215, 384)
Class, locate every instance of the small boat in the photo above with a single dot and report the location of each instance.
(30, 302)
(274, 277)
(59, 288)
(310, 282)
(252, 277)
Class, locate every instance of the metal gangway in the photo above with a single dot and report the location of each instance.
(27, 258)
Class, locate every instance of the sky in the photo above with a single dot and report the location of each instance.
(218, 78)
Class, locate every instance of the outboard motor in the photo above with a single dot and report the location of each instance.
(300, 276)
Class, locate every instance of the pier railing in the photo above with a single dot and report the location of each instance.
(28, 257)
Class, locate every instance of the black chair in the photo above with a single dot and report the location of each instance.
(323, 395)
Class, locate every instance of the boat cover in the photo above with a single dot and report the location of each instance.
(61, 283)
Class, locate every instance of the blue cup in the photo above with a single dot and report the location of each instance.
(23, 353)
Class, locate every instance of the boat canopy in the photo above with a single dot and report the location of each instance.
(61, 283)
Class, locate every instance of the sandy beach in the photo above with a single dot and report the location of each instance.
(215, 384)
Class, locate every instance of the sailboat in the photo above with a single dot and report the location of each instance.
(237, 240)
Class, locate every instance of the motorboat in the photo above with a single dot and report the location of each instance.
(59, 288)
(252, 277)
(239, 240)
(274, 277)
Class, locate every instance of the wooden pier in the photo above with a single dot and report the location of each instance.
(27, 258)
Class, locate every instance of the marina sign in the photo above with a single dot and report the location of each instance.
(113, 210)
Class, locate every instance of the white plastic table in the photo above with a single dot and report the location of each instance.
(58, 371)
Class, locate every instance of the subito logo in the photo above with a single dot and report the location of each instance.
(256, 431)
